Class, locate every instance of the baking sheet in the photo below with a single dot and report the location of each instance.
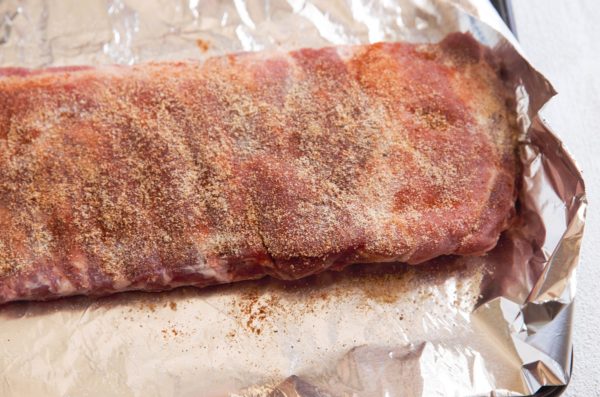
(497, 325)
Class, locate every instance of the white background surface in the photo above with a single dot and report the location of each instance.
(562, 39)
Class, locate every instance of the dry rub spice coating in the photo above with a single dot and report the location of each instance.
(184, 173)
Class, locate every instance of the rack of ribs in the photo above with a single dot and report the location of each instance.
(165, 174)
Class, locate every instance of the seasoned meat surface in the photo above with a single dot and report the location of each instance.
(164, 174)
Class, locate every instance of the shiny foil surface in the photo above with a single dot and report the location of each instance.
(498, 325)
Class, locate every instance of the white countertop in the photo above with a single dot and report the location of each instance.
(562, 39)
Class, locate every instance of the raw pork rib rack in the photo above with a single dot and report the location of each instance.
(165, 174)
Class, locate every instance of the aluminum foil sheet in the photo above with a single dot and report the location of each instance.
(499, 325)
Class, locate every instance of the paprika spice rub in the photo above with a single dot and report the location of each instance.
(165, 174)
